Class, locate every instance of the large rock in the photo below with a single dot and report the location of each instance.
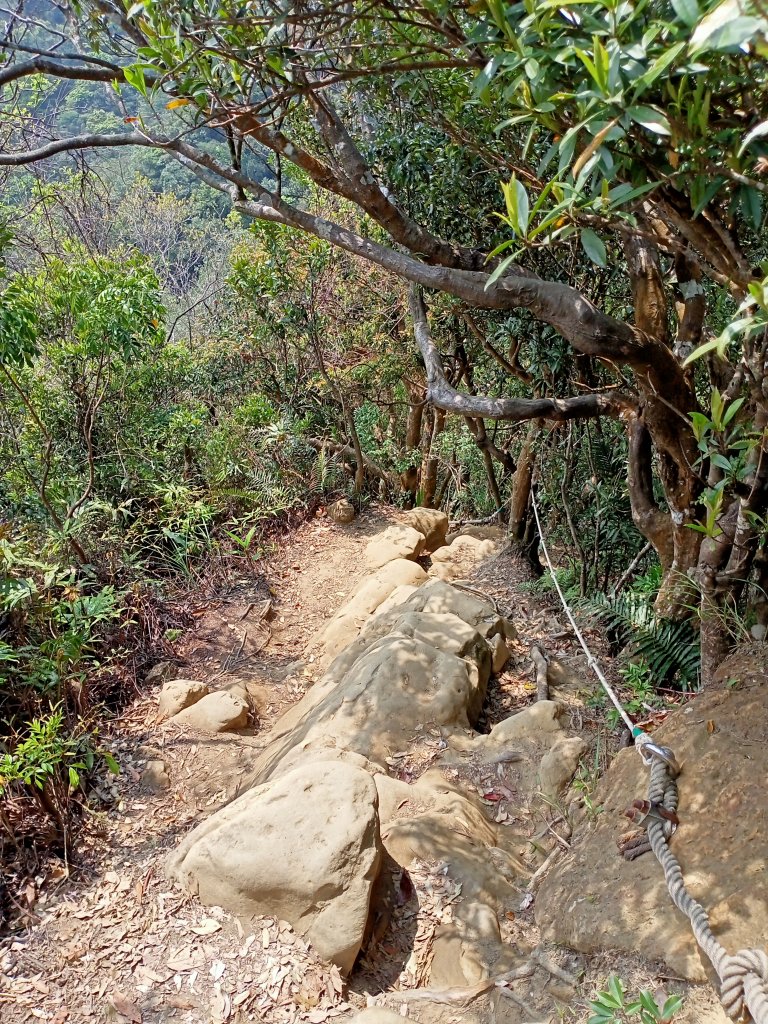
(394, 542)
(216, 712)
(397, 683)
(719, 738)
(179, 694)
(304, 848)
(345, 625)
(458, 559)
(432, 523)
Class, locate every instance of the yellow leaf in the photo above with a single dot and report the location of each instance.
(178, 102)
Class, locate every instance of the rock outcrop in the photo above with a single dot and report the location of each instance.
(407, 661)
(461, 556)
(374, 589)
(432, 523)
(304, 848)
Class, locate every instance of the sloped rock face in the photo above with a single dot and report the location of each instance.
(346, 624)
(720, 841)
(397, 682)
(304, 848)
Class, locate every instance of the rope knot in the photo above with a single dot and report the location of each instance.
(744, 988)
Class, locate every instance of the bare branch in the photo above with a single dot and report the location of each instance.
(442, 395)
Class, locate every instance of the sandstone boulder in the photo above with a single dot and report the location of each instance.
(719, 738)
(341, 511)
(394, 542)
(304, 848)
(432, 523)
(216, 712)
(397, 683)
(458, 559)
(179, 694)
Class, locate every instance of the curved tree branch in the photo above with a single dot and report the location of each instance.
(76, 142)
(442, 395)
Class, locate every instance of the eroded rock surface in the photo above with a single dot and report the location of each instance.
(430, 522)
(341, 511)
(304, 848)
(374, 589)
(461, 556)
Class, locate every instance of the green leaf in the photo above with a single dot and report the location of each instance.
(111, 763)
(708, 195)
(725, 29)
(516, 200)
(594, 247)
(134, 75)
(74, 778)
(687, 11)
(731, 411)
(650, 118)
(660, 65)
(721, 462)
(671, 1006)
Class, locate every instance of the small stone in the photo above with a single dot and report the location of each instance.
(215, 712)
(341, 511)
(155, 778)
(179, 694)
(160, 673)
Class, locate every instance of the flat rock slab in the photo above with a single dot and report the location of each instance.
(304, 849)
(594, 900)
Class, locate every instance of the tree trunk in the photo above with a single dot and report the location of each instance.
(417, 397)
(429, 462)
(523, 534)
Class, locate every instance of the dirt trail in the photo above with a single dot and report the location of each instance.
(112, 939)
(108, 937)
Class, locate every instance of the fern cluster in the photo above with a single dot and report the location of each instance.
(669, 649)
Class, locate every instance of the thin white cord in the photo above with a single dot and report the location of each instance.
(591, 660)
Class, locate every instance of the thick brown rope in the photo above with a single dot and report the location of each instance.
(744, 976)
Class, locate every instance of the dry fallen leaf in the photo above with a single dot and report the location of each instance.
(126, 1007)
(206, 927)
